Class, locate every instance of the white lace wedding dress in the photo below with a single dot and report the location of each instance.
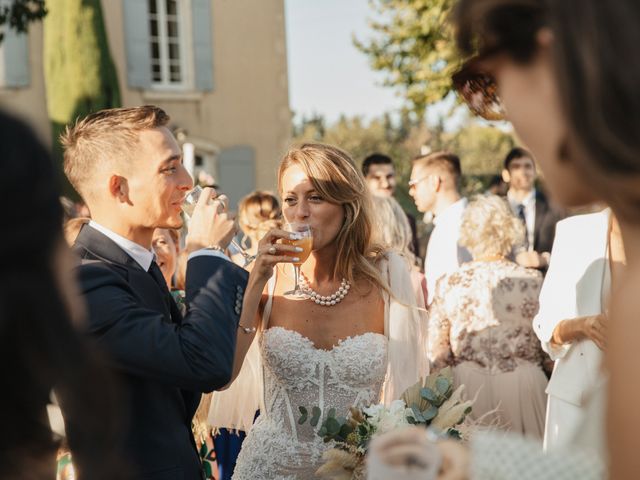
(298, 374)
(283, 371)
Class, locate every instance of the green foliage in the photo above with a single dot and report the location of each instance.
(80, 76)
(413, 44)
(481, 148)
(19, 13)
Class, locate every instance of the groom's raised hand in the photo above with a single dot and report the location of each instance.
(210, 225)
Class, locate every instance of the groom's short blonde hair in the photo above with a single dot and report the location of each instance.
(105, 139)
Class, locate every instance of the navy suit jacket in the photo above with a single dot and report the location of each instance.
(163, 361)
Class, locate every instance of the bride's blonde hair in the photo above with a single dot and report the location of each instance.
(335, 177)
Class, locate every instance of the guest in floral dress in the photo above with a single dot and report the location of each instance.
(481, 323)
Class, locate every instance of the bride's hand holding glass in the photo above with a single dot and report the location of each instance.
(274, 248)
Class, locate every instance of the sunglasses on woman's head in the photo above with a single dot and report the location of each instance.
(479, 91)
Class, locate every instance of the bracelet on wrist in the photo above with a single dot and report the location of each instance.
(215, 247)
(247, 330)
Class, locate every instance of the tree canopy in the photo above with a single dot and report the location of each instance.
(19, 13)
(413, 44)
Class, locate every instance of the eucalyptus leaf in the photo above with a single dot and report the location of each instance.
(304, 415)
(333, 427)
(429, 394)
(430, 413)
(442, 385)
(332, 413)
(417, 415)
(316, 412)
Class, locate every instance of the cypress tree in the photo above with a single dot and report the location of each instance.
(80, 75)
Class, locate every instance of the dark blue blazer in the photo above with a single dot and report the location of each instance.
(163, 361)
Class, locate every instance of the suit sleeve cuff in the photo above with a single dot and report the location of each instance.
(205, 252)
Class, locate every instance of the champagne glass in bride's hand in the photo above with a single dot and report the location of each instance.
(303, 238)
(190, 201)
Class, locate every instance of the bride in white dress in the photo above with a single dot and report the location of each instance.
(367, 347)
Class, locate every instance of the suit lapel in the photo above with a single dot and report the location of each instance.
(542, 208)
(141, 282)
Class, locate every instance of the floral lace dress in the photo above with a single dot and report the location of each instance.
(481, 323)
(298, 374)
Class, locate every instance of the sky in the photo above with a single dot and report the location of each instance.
(327, 74)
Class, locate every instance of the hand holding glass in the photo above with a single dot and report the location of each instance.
(188, 206)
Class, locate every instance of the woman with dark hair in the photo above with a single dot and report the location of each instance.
(40, 351)
(566, 73)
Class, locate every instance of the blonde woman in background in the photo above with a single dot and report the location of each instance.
(480, 322)
(392, 230)
(258, 213)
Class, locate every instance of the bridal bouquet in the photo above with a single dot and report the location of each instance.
(432, 403)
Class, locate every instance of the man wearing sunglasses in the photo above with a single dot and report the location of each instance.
(532, 207)
(434, 188)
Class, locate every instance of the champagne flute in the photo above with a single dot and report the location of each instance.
(190, 201)
(303, 239)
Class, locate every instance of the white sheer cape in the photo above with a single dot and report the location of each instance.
(405, 328)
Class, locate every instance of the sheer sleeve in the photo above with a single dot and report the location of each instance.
(235, 407)
(440, 354)
(406, 330)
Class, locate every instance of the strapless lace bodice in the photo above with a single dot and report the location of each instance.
(298, 374)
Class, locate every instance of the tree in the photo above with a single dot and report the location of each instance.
(20, 13)
(414, 47)
(80, 76)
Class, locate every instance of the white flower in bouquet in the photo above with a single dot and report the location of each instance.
(387, 419)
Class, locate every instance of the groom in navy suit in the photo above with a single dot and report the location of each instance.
(128, 168)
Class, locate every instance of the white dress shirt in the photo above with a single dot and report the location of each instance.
(140, 254)
(529, 204)
(444, 255)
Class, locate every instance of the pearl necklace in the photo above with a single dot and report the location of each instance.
(324, 300)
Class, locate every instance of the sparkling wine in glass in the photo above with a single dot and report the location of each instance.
(304, 240)
(190, 201)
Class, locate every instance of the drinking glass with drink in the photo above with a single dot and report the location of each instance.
(190, 201)
(302, 238)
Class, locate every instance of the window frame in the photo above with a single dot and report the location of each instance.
(185, 47)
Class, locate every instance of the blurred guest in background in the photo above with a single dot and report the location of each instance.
(258, 213)
(481, 318)
(166, 246)
(588, 259)
(40, 351)
(533, 209)
(380, 175)
(434, 187)
(392, 230)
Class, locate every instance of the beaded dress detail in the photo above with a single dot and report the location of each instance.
(296, 373)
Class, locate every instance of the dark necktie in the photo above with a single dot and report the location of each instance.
(156, 274)
(523, 219)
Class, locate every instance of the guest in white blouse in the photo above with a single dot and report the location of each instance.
(571, 323)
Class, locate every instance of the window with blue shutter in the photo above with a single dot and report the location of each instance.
(202, 44)
(14, 59)
(137, 42)
(236, 173)
(169, 44)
